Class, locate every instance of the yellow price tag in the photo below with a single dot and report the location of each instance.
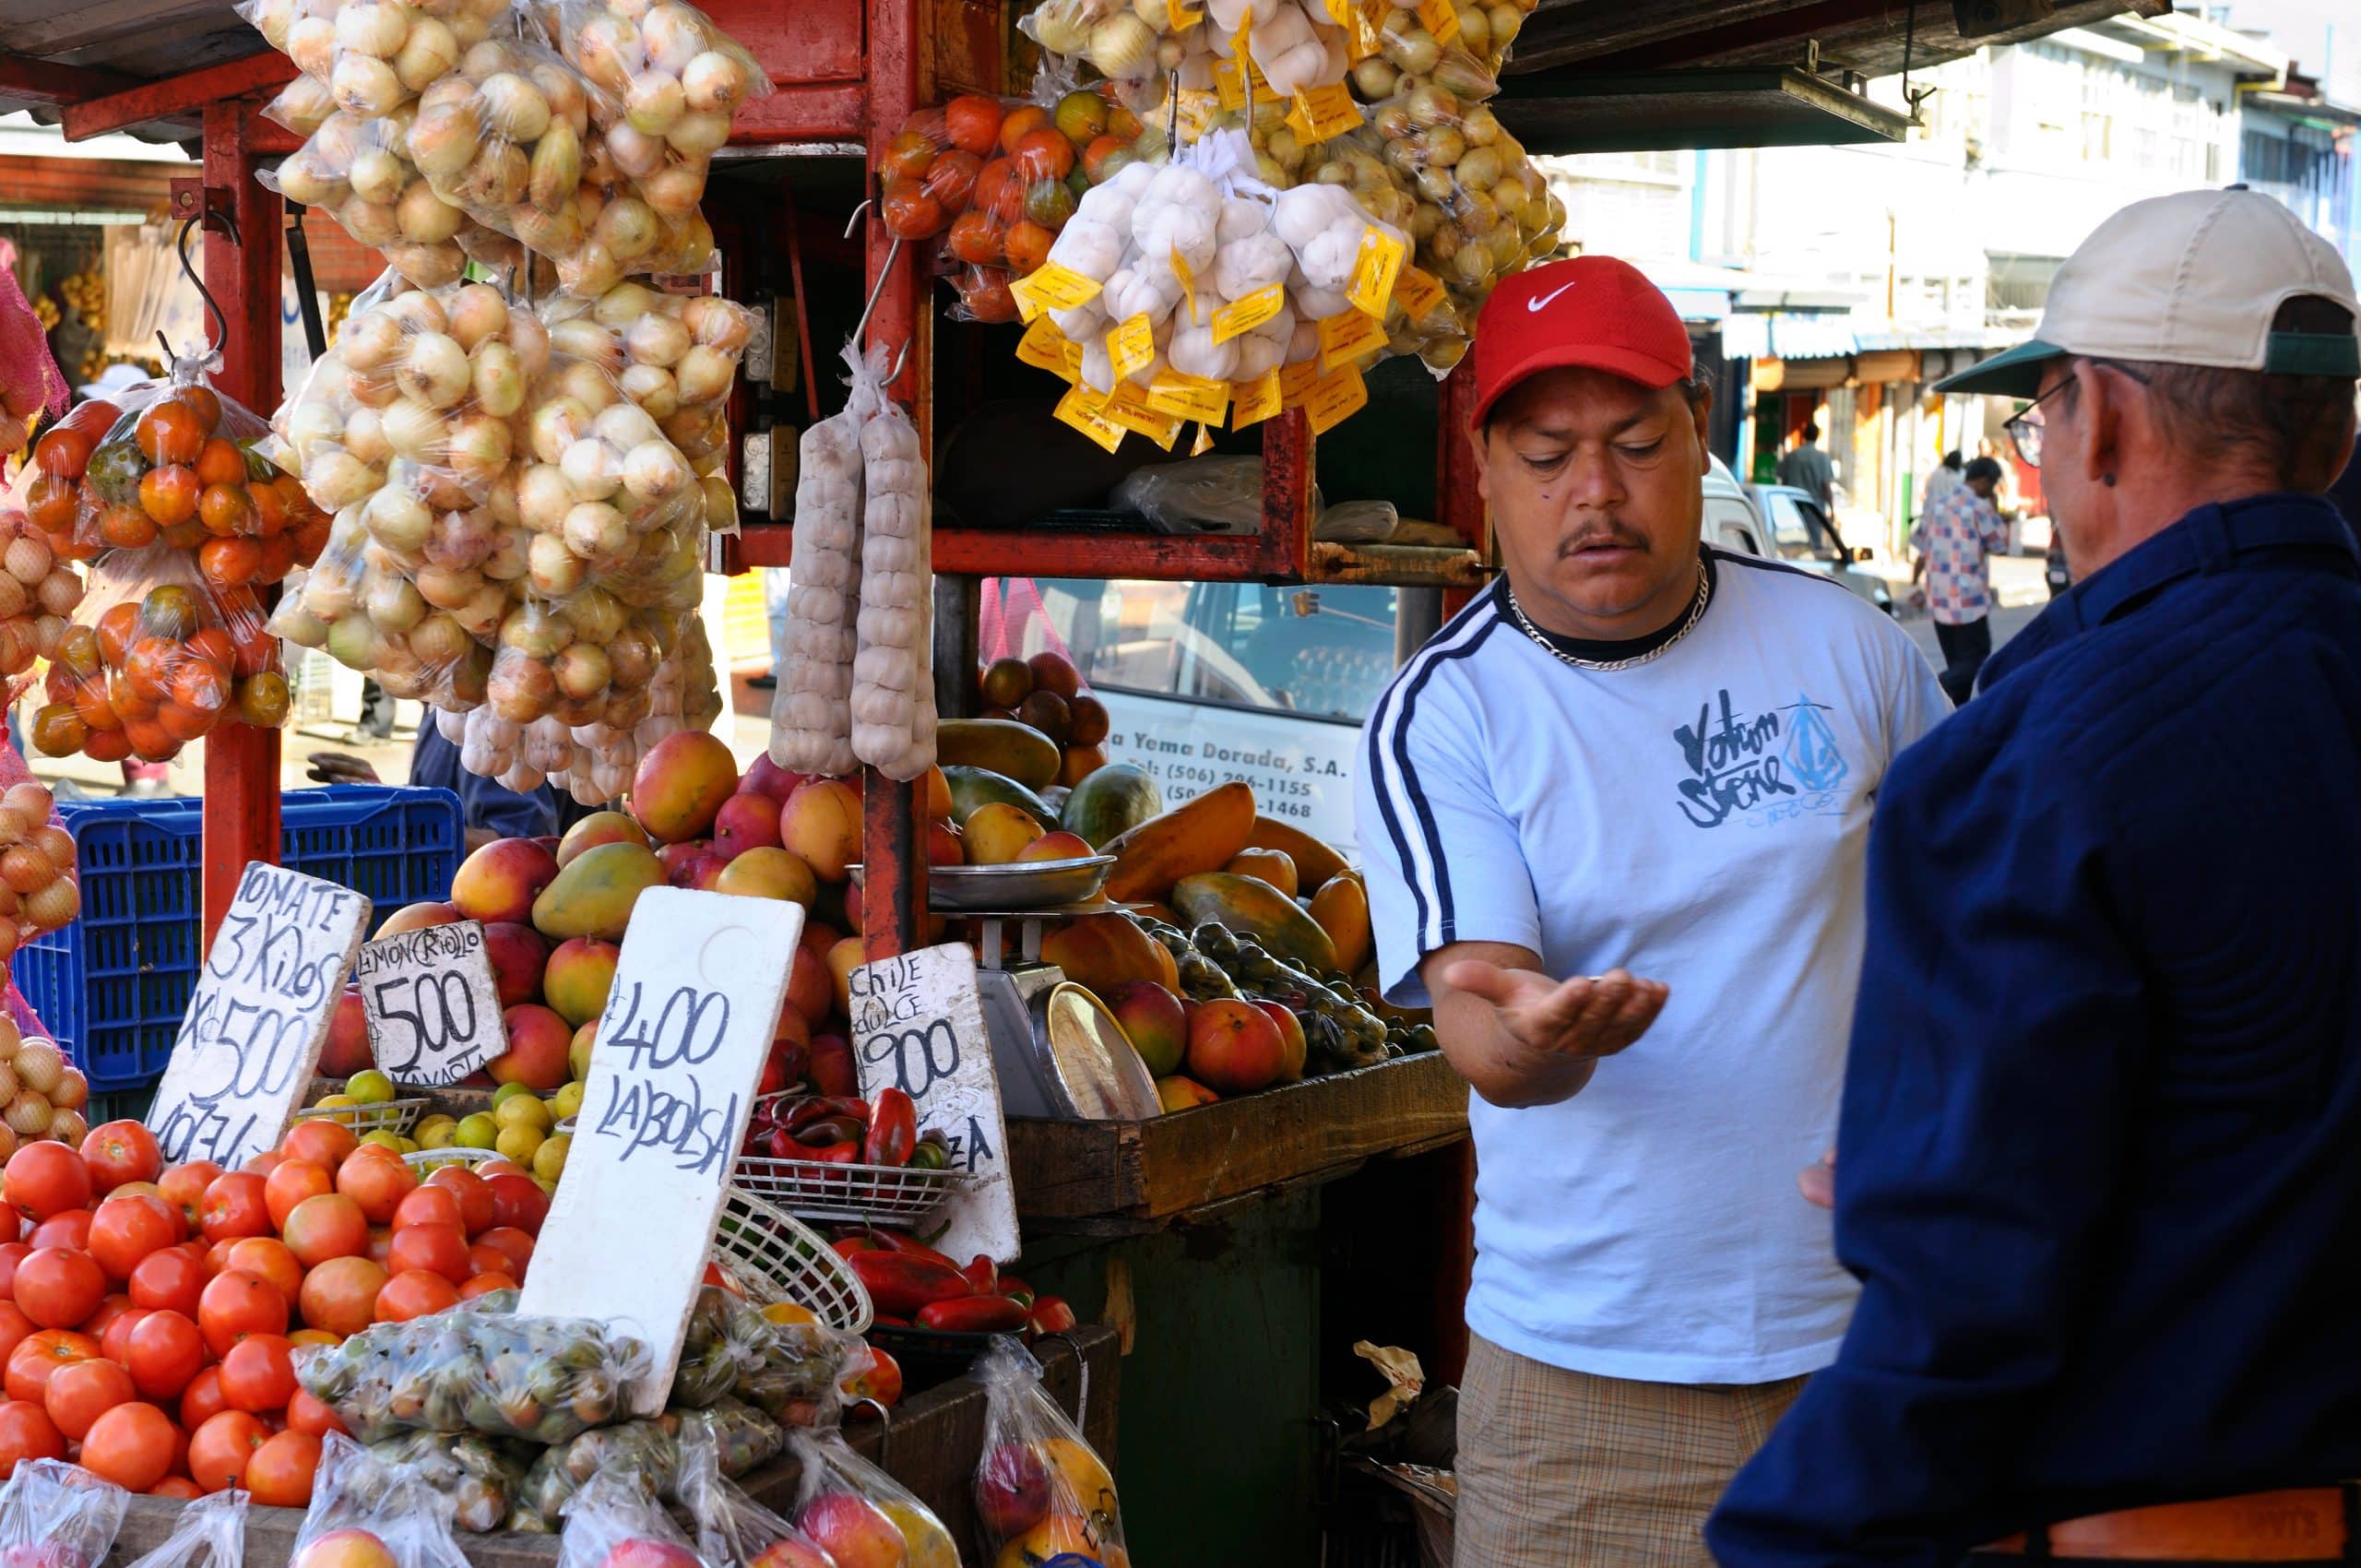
(1043, 345)
(1054, 286)
(1338, 10)
(1362, 38)
(1439, 17)
(1252, 402)
(1323, 111)
(1334, 398)
(1075, 409)
(1196, 109)
(1188, 279)
(1295, 382)
(1375, 267)
(1254, 78)
(1071, 370)
(1419, 292)
(1203, 444)
(1130, 408)
(1346, 335)
(1191, 397)
(1181, 17)
(1245, 314)
(1229, 85)
(1131, 345)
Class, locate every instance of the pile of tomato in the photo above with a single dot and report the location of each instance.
(150, 1317)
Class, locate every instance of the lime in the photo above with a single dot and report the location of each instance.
(545, 1184)
(479, 1131)
(507, 1092)
(410, 1146)
(369, 1088)
(549, 1160)
(519, 1142)
(334, 1102)
(384, 1139)
(566, 1102)
(523, 1111)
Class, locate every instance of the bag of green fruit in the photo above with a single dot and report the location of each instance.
(615, 1522)
(367, 1512)
(1041, 1489)
(480, 1474)
(53, 1514)
(210, 1533)
(471, 1369)
(733, 1530)
(857, 1513)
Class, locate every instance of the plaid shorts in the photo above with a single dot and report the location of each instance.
(1561, 1470)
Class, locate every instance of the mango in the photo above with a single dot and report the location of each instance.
(769, 873)
(518, 956)
(1314, 862)
(579, 974)
(1154, 1021)
(1341, 909)
(680, 784)
(1264, 865)
(1080, 763)
(414, 917)
(1112, 800)
(1177, 1093)
(969, 787)
(594, 895)
(821, 826)
(1013, 750)
(1105, 953)
(997, 834)
(1058, 846)
(1203, 835)
(1257, 909)
(501, 881)
(599, 827)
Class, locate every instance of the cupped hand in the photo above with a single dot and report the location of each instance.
(1587, 1015)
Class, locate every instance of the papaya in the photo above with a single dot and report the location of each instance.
(973, 787)
(595, 891)
(1265, 865)
(1109, 801)
(1255, 908)
(1010, 749)
(1341, 909)
(1202, 834)
(1102, 952)
(1314, 862)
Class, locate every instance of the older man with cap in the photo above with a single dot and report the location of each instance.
(1614, 815)
(2099, 1167)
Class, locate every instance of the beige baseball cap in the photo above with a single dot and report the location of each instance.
(2188, 278)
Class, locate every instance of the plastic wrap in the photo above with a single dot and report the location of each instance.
(38, 865)
(365, 1507)
(463, 1370)
(1215, 493)
(210, 1533)
(732, 1529)
(616, 1518)
(59, 1516)
(789, 1371)
(812, 714)
(481, 1475)
(359, 171)
(1040, 1488)
(892, 684)
(845, 1504)
(648, 1452)
(40, 590)
(373, 55)
(1417, 37)
(156, 657)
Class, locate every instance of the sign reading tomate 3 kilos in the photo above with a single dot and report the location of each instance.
(432, 1006)
(253, 1030)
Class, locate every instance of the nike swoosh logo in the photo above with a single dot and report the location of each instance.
(1536, 306)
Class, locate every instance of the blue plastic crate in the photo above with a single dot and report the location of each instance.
(112, 986)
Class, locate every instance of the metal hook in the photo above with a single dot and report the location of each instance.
(860, 328)
(212, 308)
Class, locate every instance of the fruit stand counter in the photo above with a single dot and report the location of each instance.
(1120, 1176)
(931, 1446)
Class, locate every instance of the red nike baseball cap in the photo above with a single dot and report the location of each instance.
(1592, 311)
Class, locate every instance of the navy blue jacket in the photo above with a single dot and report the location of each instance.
(2099, 1163)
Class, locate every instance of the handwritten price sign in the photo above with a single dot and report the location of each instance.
(680, 1047)
(432, 1006)
(918, 1023)
(253, 1030)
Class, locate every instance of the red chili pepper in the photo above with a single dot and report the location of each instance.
(1050, 1314)
(901, 1285)
(893, 1130)
(890, 1321)
(777, 1143)
(820, 1106)
(829, 1130)
(973, 1314)
(845, 1153)
(847, 1246)
(983, 1274)
(908, 1246)
(1016, 1289)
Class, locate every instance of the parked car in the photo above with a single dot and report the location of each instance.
(1796, 530)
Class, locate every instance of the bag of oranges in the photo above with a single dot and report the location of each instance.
(1041, 1491)
(158, 655)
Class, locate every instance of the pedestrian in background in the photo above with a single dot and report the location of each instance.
(2096, 1169)
(1954, 541)
(1632, 757)
(1809, 470)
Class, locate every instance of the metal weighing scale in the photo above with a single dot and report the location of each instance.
(1057, 1049)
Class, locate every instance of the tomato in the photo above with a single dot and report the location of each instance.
(230, 562)
(206, 403)
(381, 1244)
(45, 1179)
(11, 1254)
(280, 1474)
(166, 1352)
(127, 1231)
(1029, 247)
(131, 1445)
(219, 1451)
(80, 1394)
(169, 1281)
(438, 1249)
(518, 1201)
(271, 1260)
(1000, 190)
(972, 122)
(415, 1294)
(201, 1401)
(290, 1183)
(378, 1183)
(185, 1185)
(38, 1355)
(221, 462)
(237, 1303)
(329, 1226)
(264, 1163)
(1022, 122)
(324, 1143)
(169, 495)
(908, 212)
(258, 1375)
(951, 180)
(510, 1244)
(975, 237)
(475, 1198)
(429, 1206)
(118, 1152)
(15, 1329)
(114, 1339)
(216, 1256)
(484, 1284)
(234, 1205)
(169, 432)
(1039, 155)
(58, 1288)
(27, 1433)
(905, 157)
(307, 1414)
(984, 291)
(177, 1487)
(64, 452)
(70, 1229)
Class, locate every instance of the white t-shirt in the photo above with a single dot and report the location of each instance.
(1701, 819)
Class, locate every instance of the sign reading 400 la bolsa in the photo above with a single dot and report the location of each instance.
(253, 1030)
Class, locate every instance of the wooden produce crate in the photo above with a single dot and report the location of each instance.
(1313, 1131)
(930, 1445)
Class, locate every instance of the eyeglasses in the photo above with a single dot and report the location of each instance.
(2025, 426)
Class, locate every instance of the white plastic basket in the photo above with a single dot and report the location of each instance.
(427, 1159)
(776, 1257)
(390, 1116)
(866, 1194)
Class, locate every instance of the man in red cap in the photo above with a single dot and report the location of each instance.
(1615, 816)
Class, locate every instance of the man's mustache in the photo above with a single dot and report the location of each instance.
(1612, 532)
